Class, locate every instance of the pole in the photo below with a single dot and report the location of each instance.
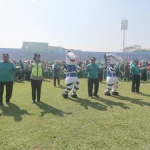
(124, 45)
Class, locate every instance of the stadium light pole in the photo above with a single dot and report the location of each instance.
(124, 26)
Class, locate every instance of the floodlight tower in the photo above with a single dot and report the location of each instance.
(124, 26)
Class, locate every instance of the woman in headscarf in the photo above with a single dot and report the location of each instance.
(36, 77)
(143, 69)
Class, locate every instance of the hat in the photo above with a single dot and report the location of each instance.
(93, 58)
(135, 60)
(37, 54)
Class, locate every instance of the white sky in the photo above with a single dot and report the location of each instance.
(90, 25)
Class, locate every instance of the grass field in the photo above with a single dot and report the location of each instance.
(105, 123)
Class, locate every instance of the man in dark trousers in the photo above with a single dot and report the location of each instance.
(135, 70)
(92, 74)
(7, 70)
(56, 73)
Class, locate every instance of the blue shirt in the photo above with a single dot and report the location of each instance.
(72, 71)
(7, 71)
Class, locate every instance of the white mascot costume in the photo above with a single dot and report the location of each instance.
(71, 81)
(111, 79)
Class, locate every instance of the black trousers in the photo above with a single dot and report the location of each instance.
(90, 86)
(9, 89)
(28, 73)
(36, 88)
(58, 80)
(100, 76)
(144, 76)
(135, 83)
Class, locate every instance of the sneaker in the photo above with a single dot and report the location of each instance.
(33, 102)
(96, 96)
(90, 97)
(39, 101)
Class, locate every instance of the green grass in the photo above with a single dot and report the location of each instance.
(106, 123)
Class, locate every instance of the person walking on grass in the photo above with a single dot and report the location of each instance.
(126, 71)
(135, 70)
(56, 73)
(36, 77)
(92, 74)
(7, 70)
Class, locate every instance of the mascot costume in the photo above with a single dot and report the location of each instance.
(111, 79)
(71, 81)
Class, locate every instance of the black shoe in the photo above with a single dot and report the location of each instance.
(7, 103)
(74, 95)
(97, 96)
(115, 93)
(107, 93)
(65, 95)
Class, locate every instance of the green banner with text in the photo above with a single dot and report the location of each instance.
(34, 47)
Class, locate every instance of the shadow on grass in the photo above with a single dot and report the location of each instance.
(87, 103)
(61, 87)
(20, 82)
(50, 109)
(46, 80)
(143, 94)
(112, 103)
(13, 111)
(133, 100)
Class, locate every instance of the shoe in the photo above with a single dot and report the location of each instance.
(74, 95)
(90, 97)
(33, 102)
(96, 96)
(7, 103)
(39, 101)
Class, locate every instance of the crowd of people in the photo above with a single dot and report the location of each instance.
(23, 71)
(36, 70)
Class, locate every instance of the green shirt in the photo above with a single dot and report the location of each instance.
(6, 71)
(135, 69)
(92, 71)
(56, 70)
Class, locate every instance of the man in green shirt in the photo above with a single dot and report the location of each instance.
(56, 73)
(92, 74)
(7, 70)
(135, 70)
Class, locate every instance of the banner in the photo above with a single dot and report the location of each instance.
(34, 47)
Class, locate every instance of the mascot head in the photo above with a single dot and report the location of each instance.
(110, 59)
(70, 58)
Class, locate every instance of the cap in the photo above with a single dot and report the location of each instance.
(93, 58)
(5, 54)
(37, 54)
